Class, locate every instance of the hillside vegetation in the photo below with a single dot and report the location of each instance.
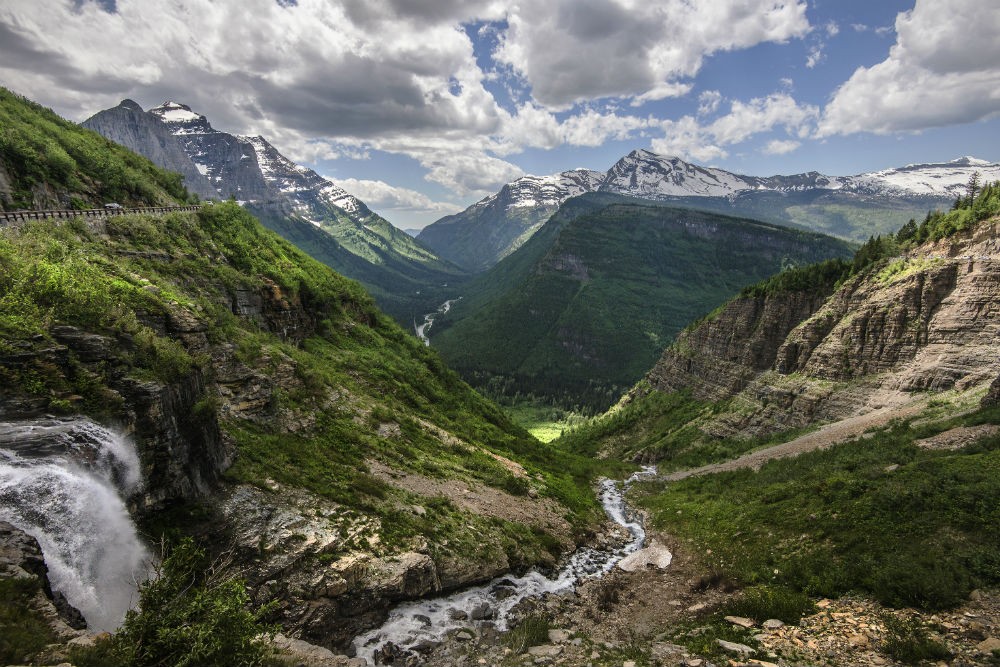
(49, 162)
(579, 312)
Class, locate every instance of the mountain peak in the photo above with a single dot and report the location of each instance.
(970, 161)
(174, 112)
(130, 105)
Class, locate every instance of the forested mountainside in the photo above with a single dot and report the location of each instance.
(579, 312)
(276, 412)
(318, 216)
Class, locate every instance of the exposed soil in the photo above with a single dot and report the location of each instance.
(482, 500)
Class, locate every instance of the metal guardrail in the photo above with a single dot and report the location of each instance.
(10, 216)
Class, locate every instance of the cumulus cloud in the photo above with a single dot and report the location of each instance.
(708, 102)
(941, 71)
(687, 137)
(384, 197)
(575, 50)
(325, 80)
(781, 146)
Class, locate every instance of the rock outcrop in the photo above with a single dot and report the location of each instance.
(21, 558)
(926, 321)
(719, 356)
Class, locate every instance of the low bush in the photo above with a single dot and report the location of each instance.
(765, 602)
(191, 614)
(908, 641)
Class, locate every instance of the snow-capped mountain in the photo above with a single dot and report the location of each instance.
(546, 190)
(495, 226)
(127, 124)
(307, 209)
(853, 207)
(947, 179)
(646, 175)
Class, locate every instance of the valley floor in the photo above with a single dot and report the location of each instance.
(675, 616)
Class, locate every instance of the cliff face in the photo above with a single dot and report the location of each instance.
(128, 125)
(719, 357)
(927, 321)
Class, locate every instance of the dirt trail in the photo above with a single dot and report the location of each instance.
(892, 405)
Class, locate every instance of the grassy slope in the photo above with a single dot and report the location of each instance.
(910, 526)
(405, 283)
(70, 275)
(583, 334)
(79, 168)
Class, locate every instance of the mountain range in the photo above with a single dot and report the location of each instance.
(329, 223)
(851, 207)
(584, 307)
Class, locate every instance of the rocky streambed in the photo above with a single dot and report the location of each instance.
(416, 628)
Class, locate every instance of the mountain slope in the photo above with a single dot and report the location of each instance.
(127, 124)
(399, 272)
(912, 314)
(580, 311)
(277, 414)
(489, 230)
(851, 207)
(48, 162)
(835, 429)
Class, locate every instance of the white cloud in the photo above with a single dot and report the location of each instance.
(832, 29)
(708, 102)
(941, 71)
(576, 50)
(781, 146)
(815, 56)
(384, 197)
(763, 115)
(687, 137)
(324, 80)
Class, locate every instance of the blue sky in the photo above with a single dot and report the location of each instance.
(423, 107)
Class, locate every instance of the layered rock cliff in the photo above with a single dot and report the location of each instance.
(927, 320)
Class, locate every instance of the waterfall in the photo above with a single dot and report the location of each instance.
(64, 482)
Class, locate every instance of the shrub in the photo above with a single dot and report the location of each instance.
(531, 631)
(190, 614)
(763, 602)
(907, 641)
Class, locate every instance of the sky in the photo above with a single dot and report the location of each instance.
(422, 107)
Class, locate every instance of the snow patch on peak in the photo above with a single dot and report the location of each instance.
(547, 191)
(970, 161)
(948, 179)
(173, 112)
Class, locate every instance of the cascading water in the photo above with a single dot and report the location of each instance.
(412, 624)
(63, 482)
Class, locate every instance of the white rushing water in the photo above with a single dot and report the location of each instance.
(422, 330)
(63, 482)
(413, 623)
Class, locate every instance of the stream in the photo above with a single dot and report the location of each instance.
(424, 623)
(422, 330)
(63, 482)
